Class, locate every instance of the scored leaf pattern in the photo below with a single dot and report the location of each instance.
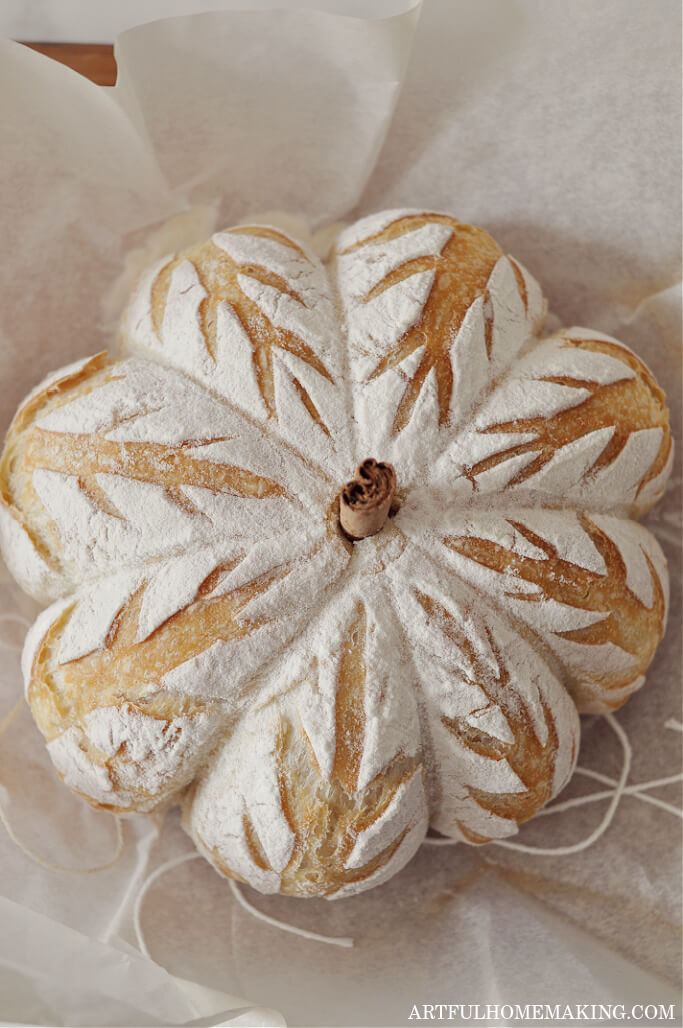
(504, 733)
(342, 802)
(593, 588)
(213, 638)
(579, 417)
(182, 644)
(141, 463)
(250, 315)
(433, 310)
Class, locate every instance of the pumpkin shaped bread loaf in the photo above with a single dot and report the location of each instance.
(336, 552)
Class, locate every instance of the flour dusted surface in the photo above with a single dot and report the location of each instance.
(316, 704)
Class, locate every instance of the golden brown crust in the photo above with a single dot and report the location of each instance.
(530, 759)
(629, 405)
(219, 274)
(326, 819)
(627, 622)
(126, 670)
(29, 448)
(461, 273)
(326, 815)
(17, 491)
(144, 717)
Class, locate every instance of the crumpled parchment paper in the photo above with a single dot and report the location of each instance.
(556, 127)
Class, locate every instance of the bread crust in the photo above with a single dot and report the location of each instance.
(215, 639)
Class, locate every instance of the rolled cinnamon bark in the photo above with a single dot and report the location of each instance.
(364, 502)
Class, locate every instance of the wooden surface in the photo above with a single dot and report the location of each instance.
(94, 60)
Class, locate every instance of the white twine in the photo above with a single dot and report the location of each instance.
(577, 847)
(144, 848)
(639, 791)
(284, 926)
(6, 722)
(615, 793)
(144, 889)
(619, 789)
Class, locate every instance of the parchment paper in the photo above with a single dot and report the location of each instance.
(555, 126)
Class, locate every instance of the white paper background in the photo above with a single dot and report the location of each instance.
(557, 127)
